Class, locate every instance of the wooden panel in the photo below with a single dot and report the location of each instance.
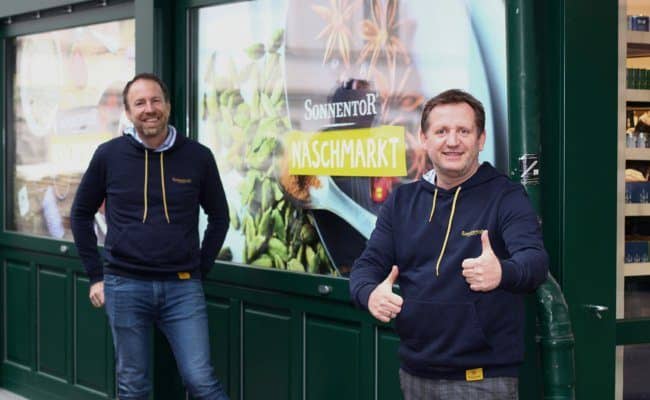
(388, 387)
(267, 354)
(52, 323)
(219, 322)
(93, 346)
(332, 360)
(19, 306)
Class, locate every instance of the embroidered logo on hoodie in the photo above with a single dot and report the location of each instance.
(471, 233)
(181, 180)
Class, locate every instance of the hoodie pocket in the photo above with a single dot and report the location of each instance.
(152, 244)
(440, 333)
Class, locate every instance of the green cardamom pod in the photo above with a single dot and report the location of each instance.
(266, 220)
(278, 225)
(295, 265)
(266, 194)
(277, 247)
(263, 260)
(279, 262)
(308, 234)
(312, 260)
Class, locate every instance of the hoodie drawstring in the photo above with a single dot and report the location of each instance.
(146, 185)
(451, 218)
(162, 180)
(433, 206)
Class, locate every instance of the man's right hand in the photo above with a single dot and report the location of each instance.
(97, 294)
(383, 303)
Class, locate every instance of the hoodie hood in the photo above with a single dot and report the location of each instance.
(172, 141)
(484, 173)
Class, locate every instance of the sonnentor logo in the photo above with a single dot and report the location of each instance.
(471, 233)
(181, 180)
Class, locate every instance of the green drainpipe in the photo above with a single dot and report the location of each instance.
(554, 325)
(556, 339)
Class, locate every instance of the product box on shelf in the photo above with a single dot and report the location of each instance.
(637, 192)
(638, 22)
(636, 251)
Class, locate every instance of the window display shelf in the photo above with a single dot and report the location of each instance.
(637, 209)
(638, 95)
(636, 269)
(642, 154)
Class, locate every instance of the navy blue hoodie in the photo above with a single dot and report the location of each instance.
(445, 328)
(152, 210)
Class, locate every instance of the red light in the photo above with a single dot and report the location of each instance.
(381, 188)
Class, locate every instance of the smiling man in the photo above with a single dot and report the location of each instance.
(465, 245)
(153, 180)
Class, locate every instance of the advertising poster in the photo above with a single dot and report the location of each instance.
(312, 109)
(66, 90)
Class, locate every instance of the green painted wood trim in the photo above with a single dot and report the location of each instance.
(341, 311)
(9, 8)
(205, 3)
(63, 263)
(298, 360)
(368, 346)
(523, 104)
(191, 110)
(630, 331)
(36, 386)
(36, 243)
(85, 17)
(283, 281)
(4, 104)
(236, 338)
(181, 68)
(145, 36)
(550, 45)
(589, 189)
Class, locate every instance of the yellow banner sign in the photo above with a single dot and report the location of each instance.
(379, 151)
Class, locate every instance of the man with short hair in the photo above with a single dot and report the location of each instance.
(154, 180)
(465, 245)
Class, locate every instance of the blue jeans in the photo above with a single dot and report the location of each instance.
(178, 309)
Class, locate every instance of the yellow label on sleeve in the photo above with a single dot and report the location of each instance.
(475, 374)
(184, 275)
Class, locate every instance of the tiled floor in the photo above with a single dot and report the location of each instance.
(5, 395)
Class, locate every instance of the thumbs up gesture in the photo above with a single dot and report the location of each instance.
(383, 304)
(483, 273)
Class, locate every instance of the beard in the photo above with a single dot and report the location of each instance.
(153, 131)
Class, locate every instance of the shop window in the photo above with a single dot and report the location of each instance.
(65, 99)
(312, 109)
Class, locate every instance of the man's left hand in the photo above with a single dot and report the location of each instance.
(484, 272)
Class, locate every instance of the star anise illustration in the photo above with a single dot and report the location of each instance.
(381, 33)
(396, 102)
(336, 29)
(395, 95)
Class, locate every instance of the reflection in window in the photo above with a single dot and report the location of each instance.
(66, 93)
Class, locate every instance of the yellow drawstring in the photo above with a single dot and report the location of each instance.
(433, 206)
(162, 180)
(451, 218)
(146, 183)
